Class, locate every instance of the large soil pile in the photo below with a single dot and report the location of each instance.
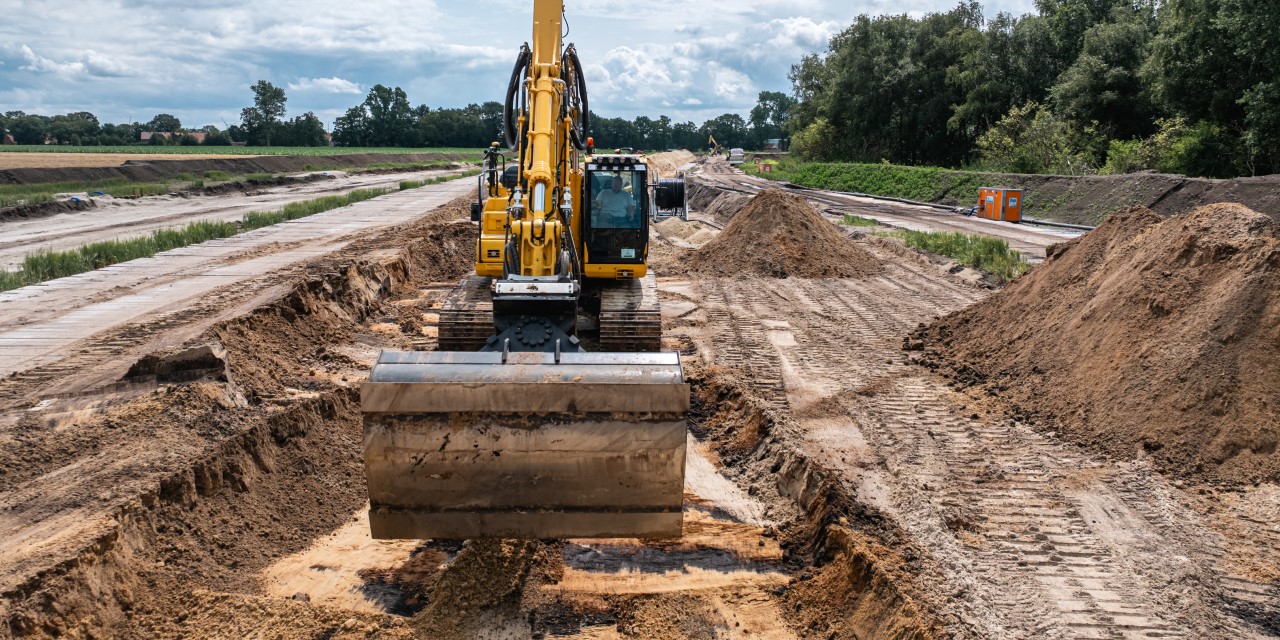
(667, 164)
(779, 234)
(1146, 335)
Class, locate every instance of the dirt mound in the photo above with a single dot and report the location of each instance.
(1147, 336)
(780, 235)
(714, 203)
(480, 594)
(45, 209)
(1088, 199)
(667, 164)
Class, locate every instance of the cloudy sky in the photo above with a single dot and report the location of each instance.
(127, 60)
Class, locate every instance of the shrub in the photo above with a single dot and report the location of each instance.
(1031, 139)
(992, 255)
(1125, 156)
(815, 142)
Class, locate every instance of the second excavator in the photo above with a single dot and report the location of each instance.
(549, 410)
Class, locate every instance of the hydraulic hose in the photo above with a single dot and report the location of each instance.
(513, 87)
(571, 62)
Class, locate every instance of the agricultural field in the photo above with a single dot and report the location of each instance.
(61, 156)
(224, 151)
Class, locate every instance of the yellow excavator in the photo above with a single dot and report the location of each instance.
(549, 410)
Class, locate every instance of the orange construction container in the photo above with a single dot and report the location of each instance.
(1000, 203)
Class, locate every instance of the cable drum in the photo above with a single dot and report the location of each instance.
(669, 194)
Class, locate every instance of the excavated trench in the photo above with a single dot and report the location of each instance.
(256, 527)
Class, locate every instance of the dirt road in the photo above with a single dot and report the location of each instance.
(43, 322)
(114, 218)
(835, 489)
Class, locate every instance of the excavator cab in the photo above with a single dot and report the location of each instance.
(616, 222)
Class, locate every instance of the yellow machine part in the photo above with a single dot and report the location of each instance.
(615, 271)
(529, 444)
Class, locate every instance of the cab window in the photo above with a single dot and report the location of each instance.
(615, 200)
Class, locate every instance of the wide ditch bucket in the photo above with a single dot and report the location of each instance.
(462, 445)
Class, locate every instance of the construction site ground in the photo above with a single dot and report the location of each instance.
(180, 456)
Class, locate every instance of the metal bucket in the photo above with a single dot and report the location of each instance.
(464, 445)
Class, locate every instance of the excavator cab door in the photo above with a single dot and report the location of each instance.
(616, 223)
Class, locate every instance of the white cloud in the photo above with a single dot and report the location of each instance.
(326, 85)
(802, 33)
(90, 63)
(198, 58)
(41, 64)
(732, 84)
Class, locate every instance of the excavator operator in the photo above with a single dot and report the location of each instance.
(614, 208)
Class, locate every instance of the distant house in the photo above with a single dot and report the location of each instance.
(773, 144)
(8, 139)
(198, 136)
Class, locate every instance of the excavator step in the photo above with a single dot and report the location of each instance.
(525, 445)
(466, 318)
(631, 316)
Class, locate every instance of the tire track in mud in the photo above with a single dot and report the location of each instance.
(996, 486)
(1028, 538)
(744, 341)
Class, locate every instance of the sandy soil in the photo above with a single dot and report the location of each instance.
(63, 160)
(1153, 338)
(1023, 535)
(780, 235)
(837, 489)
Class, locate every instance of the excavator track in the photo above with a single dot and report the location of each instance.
(466, 319)
(631, 316)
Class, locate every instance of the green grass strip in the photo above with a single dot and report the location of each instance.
(851, 220)
(234, 151)
(992, 255)
(295, 210)
(48, 265)
(415, 184)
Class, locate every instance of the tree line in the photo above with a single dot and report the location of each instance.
(1080, 86)
(385, 118)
